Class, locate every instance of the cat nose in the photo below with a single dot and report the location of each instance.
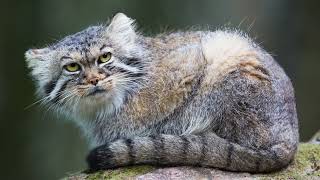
(94, 81)
(94, 77)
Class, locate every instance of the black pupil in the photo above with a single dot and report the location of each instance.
(105, 55)
(73, 65)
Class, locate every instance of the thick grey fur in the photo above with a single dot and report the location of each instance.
(236, 115)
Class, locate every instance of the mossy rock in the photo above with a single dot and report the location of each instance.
(305, 166)
(120, 173)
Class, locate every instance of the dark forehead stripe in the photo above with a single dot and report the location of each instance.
(103, 46)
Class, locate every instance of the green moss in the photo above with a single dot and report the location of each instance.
(120, 173)
(306, 164)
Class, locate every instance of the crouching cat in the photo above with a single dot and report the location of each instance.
(200, 98)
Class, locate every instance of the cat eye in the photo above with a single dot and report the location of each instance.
(72, 67)
(104, 58)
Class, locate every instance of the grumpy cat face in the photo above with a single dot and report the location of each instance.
(97, 68)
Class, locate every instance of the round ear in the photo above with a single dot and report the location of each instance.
(121, 29)
(36, 54)
(35, 57)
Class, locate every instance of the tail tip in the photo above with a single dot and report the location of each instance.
(99, 158)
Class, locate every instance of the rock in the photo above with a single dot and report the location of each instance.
(305, 166)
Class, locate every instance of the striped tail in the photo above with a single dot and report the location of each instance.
(207, 150)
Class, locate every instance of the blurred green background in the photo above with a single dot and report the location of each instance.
(38, 145)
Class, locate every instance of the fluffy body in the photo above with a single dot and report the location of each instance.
(213, 99)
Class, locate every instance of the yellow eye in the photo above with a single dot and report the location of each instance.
(104, 58)
(72, 67)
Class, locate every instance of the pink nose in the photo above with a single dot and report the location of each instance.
(94, 81)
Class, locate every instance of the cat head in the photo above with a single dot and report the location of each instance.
(97, 68)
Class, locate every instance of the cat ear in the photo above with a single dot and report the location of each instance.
(121, 29)
(34, 56)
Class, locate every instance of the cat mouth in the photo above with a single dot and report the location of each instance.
(96, 90)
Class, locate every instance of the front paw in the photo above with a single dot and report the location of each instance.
(100, 158)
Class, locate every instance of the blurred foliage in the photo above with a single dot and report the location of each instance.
(37, 145)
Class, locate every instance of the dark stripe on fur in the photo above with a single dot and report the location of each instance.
(230, 152)
(129, 73)
(60, 91)
(103, 46)
(203, 141)
(136, 75)
(49, 87)
(185, 147)
(115, 69)
(258, 162)
(131, 153)
(108, 67)
(135, 62)
(263, 70)
(158, 143)
(121, 70)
